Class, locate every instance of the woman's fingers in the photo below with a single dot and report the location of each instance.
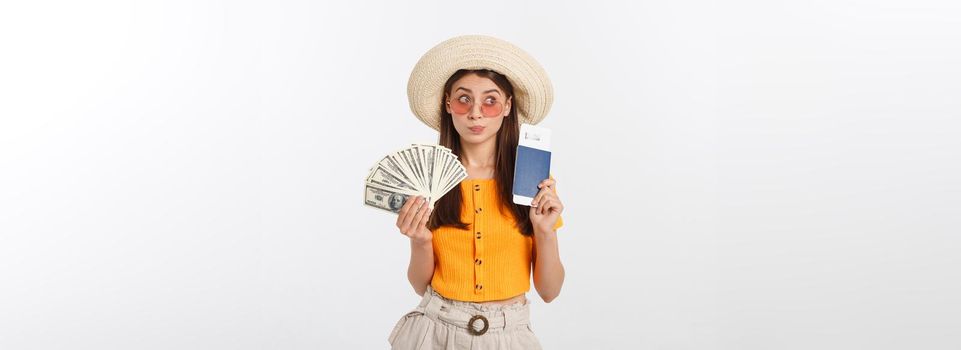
(552, 204)
(418, 220)
(425, 217)
(542, 197)
(406, 214)
(404, 210)
(547, 183)
(536, 202)
(402, 213)
(412, 216)
(546, 186)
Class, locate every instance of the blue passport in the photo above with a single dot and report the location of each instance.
(532, 164)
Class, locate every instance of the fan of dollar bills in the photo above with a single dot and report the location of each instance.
(429, 171)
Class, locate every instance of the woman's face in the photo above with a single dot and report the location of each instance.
(477, 125)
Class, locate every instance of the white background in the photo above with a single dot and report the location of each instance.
(736, 175)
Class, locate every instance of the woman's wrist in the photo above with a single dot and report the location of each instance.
(421, 243)
(544, 232)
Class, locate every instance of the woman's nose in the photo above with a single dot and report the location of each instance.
(475, 112)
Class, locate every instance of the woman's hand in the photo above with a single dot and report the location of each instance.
(412, 220)
(546, 207)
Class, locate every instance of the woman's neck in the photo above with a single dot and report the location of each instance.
(479, 155)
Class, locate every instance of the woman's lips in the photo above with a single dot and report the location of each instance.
(476, 129)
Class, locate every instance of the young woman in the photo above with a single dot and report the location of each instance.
(473, 254)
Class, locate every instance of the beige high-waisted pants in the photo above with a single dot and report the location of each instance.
(441, 323)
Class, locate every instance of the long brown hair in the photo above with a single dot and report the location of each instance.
(447, 211)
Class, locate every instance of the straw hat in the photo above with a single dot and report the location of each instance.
(533, 93)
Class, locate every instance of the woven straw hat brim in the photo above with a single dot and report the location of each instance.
(533, 92)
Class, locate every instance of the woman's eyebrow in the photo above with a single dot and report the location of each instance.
(469, 91)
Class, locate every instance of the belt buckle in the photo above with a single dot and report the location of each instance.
(470, 325)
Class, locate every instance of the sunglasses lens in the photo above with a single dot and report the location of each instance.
(491, 110)
(459, 106)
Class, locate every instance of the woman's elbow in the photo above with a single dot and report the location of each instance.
(419, 289)
(549, 297)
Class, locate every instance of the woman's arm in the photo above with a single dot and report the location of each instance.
(546, 209)
(548, 270)
(412, 222)
(421, 268)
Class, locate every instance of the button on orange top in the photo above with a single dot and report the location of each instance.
(491, 259)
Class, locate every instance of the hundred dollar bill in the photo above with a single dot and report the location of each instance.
(382, 176)
(384, 199)
(398, 164)
(428, 161)
(410, 157)
(390, 164)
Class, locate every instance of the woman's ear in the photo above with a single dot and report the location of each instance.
(507, 106)
(447, 103)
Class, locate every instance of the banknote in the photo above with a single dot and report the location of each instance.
(423, 170)
(384, 199)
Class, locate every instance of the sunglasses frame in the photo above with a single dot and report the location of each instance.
(499, 113)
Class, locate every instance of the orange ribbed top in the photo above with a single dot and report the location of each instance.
(491, 259)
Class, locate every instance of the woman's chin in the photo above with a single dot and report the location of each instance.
(471, 138)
